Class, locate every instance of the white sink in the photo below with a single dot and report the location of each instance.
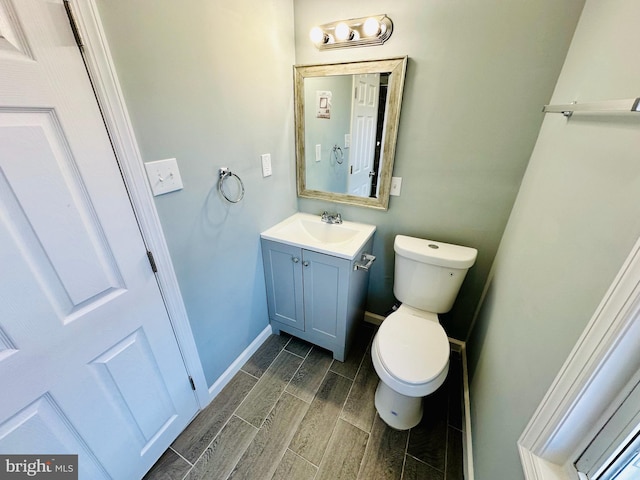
(319, 231)
(308, 231)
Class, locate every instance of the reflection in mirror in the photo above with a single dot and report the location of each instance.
(346, 127)
(346, 122)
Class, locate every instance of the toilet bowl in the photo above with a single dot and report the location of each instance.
(410, 354)
(410, 351)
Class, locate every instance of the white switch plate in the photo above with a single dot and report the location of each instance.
(266, 164)
(318, 152)
(164, 176)
(396, 185)
(347, 140)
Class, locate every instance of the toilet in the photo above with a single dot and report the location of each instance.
(410, 351)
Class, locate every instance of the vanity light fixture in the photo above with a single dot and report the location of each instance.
(357, 32)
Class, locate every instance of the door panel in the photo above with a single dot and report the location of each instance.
(43, 425)
(326, 289)
(73, 243)
(363, 132)
(283, 270)
(139, 388)
(89, 363)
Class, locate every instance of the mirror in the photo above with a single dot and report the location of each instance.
(346, 117)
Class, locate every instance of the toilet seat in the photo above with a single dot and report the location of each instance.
(411, 352)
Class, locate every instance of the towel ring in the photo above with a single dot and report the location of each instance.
(335, 150)
(223, 174)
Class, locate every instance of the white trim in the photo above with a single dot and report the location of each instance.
(228, 374)
(467, 446)
(107, 88)
(373, 318)
(457, 345)
(600, 366)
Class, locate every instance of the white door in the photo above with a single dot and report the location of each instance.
(89, 364)
(364, 118)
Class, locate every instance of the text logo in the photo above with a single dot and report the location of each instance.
(49, 467)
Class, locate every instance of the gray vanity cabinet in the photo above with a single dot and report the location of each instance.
(317, 297)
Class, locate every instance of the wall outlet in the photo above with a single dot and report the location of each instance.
(396, 185)
(266, 164)
(164, 176)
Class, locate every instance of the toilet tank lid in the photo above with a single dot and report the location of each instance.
(435, 253)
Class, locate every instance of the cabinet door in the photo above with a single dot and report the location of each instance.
(283, 276)
(326, 288)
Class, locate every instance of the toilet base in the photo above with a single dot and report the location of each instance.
(398, 411)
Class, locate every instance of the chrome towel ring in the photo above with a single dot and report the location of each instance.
(223, 174)
(337, 154)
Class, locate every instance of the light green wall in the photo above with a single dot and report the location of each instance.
(575, 220)
(478, 75)
(210, 83)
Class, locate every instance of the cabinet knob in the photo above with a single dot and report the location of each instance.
(295, 259)
(305, 263)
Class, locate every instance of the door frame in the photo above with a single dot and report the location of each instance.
(591, 385)
(101, 70)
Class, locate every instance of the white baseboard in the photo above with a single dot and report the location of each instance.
(461, 347)
(467, 444)
(228, 374)
(373, 318)
(457, 345)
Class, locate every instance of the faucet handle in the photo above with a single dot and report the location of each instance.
(331, 217)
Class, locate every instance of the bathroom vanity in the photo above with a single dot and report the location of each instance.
(316, 279)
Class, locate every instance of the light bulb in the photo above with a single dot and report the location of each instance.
(371, 27)
(343, 32)
(317, 35)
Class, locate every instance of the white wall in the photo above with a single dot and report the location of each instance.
(209, 82)
(576, 218)
(478, 75)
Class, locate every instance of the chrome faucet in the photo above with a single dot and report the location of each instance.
(331, 217)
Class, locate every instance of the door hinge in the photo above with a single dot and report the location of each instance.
(74, 24)
(152, 262)
(193, 385)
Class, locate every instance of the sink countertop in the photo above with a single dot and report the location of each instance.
(307, 231)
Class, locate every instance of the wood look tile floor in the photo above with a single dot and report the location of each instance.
(292, 412)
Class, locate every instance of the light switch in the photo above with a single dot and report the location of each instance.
(347, 140)
(318, 152)
(266, 164)
(396, 185)
(164, 176)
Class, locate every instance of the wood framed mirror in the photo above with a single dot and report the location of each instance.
(346, 120)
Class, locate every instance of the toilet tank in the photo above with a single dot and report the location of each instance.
(428, 274)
